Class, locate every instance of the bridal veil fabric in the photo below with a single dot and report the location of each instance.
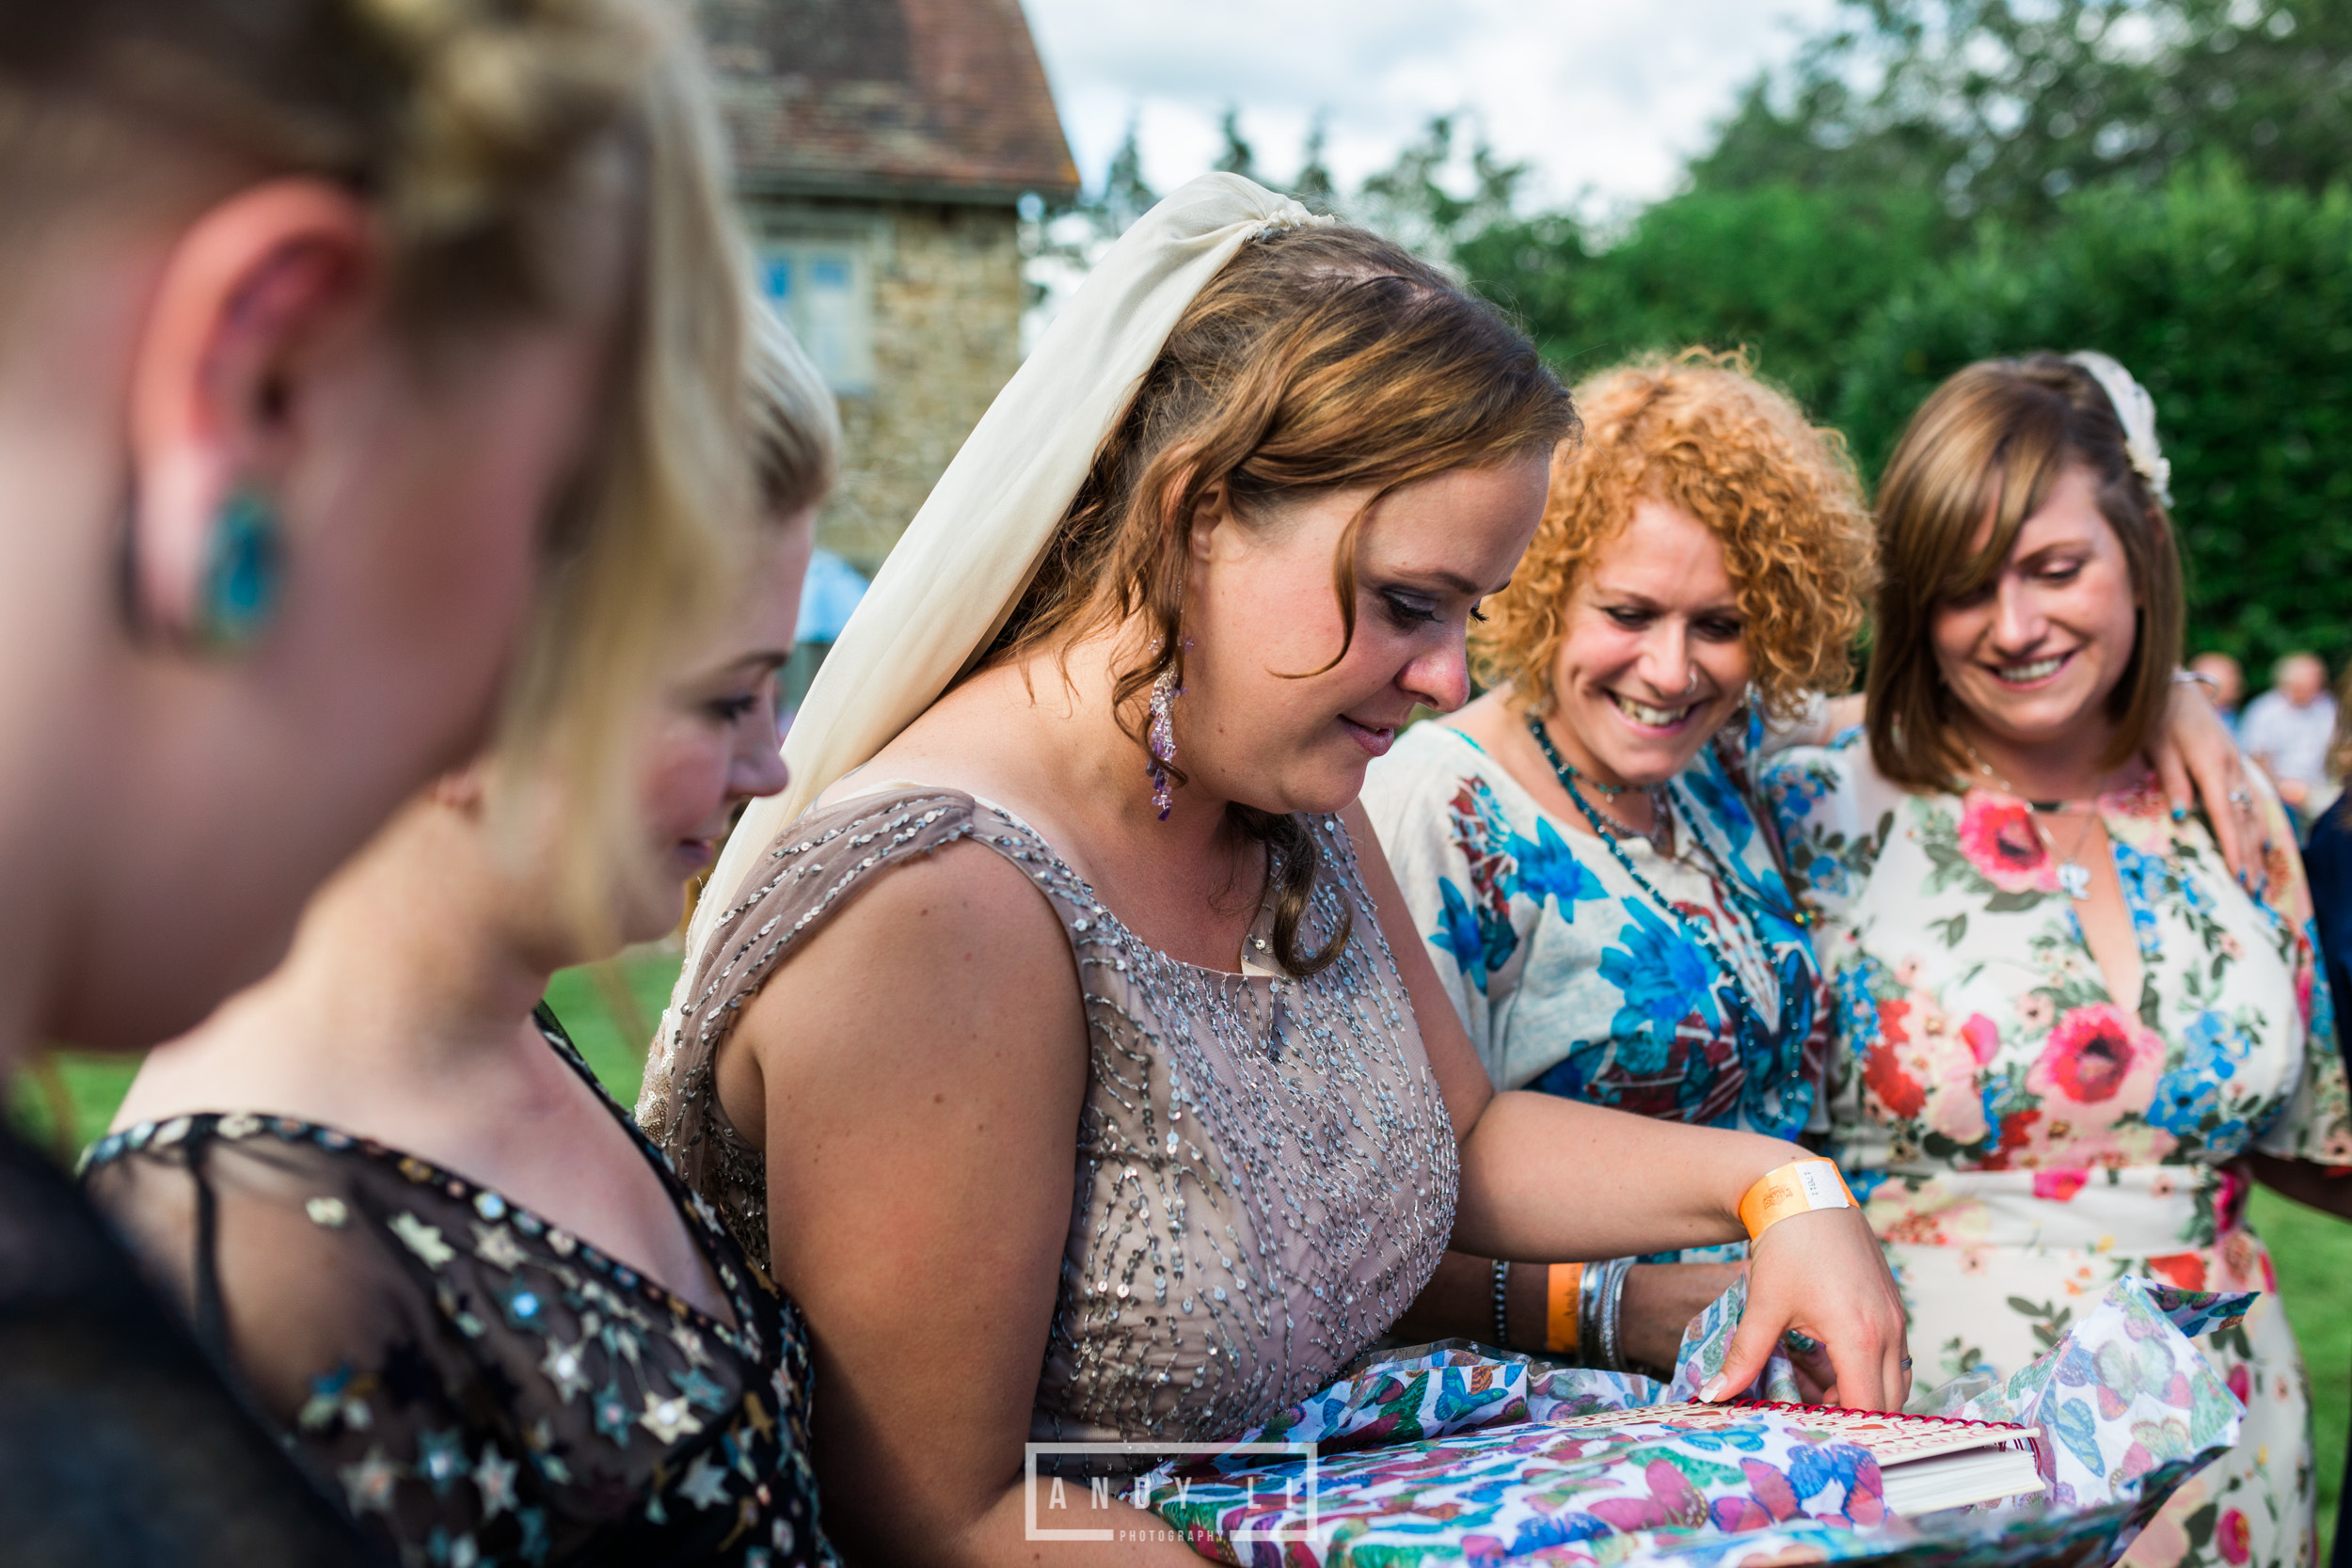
(964, 561)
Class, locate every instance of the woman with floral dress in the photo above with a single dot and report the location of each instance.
(2069, 1037)
(1579, 845)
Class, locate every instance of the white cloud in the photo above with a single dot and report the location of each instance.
(1605, 100)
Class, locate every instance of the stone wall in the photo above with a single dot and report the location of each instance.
(946, 295)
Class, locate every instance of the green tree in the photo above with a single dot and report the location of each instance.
(1788, 274)
(1416, 202)
(1238, 157)
(1314, 184)
(2003, 106)
(2233, 304)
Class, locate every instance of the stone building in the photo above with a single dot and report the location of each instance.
(882, 149)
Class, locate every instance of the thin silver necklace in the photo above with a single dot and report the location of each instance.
(2073, 876)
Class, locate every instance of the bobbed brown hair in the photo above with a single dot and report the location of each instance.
(1699, 431)
(1989, 444)
(1318, 359)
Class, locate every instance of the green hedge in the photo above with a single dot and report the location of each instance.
(2232, 302)
(2233, 306)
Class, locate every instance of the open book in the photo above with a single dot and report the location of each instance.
(1927, 1462)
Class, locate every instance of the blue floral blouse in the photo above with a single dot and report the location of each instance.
(1574, 981)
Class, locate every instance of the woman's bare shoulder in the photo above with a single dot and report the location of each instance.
(959, 933)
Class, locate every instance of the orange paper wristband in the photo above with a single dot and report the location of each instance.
(1563, 1288)
(1798, 1187)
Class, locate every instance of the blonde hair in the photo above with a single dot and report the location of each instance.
(1697, 431)
(1987, 446)
(795, 423)
(481, 132)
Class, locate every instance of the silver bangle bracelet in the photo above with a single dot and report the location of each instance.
(1503, 1285)
(1598, 1301)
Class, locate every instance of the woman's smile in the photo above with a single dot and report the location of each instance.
(1650, 719)
(2026, 674)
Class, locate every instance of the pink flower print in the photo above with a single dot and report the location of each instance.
(1984, 1036)
(1998, 838)
(2230, 948)
(2097, 1056)
(2241, 1383)
(2162, 1186)
(1907, 974)
(2058, 1186)
(2232, 1539)
(2033, 1012)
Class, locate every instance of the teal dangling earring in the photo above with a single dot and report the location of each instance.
(245, 565)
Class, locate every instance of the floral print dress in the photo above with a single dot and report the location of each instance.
(1570, 978)
(2021, 1137)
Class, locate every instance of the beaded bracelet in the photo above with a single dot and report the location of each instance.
(1502, 1284)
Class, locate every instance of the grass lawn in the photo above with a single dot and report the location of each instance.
(611, 1010)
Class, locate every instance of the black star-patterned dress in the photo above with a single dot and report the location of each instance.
(478, 1385)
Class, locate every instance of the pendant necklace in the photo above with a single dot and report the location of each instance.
(1747, 1020)
(2074, 877)
(1659, 835)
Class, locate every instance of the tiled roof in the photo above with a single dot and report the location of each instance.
(927, 100)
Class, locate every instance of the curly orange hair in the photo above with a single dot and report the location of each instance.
(1699, 431)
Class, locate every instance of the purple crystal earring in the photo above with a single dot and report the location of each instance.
(1159, 737)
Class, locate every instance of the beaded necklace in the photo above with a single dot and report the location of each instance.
(1747, 1020)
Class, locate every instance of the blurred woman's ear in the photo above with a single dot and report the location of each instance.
(250, 295)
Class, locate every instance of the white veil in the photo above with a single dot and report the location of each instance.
(964, 561)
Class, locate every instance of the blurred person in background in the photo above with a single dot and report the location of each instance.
(2070, 1033)
(391, 1084)
(2287, 730)
(2327, 862)
(328, 328)
(2224, 681)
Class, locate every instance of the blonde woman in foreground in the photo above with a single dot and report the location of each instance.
(476, 1302)
(318, 346)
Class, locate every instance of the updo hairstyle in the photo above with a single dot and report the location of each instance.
(481, 134)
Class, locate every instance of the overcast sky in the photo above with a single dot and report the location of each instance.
(1604, 100)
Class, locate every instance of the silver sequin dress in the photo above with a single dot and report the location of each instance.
(1265, 1171)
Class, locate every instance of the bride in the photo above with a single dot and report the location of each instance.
(1062, 1030)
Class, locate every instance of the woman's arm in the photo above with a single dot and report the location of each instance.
(924, 1062)
(2197, 759)
(1659, 1301)
(2320, 1187)
(1547, 1178)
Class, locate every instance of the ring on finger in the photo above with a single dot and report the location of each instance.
(2241, 797)
(1904, 1363)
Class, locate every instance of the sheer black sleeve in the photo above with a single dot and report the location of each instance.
(119, 1444)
